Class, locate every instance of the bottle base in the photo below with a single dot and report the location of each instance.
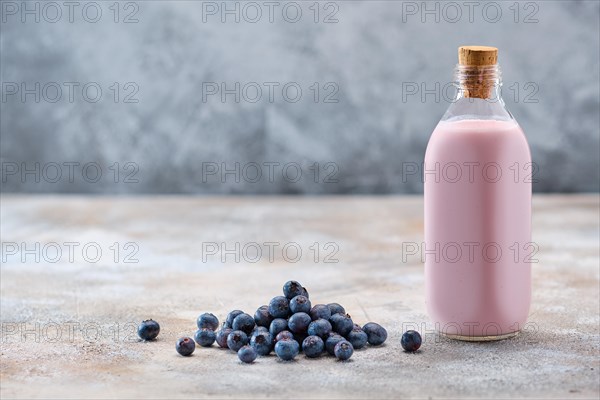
(480, 338)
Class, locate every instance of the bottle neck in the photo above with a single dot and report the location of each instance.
(478, 82)
(478, 94)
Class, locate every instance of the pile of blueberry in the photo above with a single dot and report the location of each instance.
(288, 325)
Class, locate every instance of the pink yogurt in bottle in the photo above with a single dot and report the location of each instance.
(477, 176)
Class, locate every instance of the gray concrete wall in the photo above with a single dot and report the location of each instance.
(164, 133)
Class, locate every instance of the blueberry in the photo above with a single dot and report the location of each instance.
(244, 323)
(298, 323)
(247, 354)
(343, 350)
(221, 337)
(283, 335)
(279, 307)
(262, 316)
(358, 338)
(313, 346)
(292, 289)
(335, 308)
(230, 317)
(262, 343)
(287, 349)
(331, 341)
(208, 321)
(148, 330)
(411, 340)
(376, 333)
(320, 327)
(320, 311)
(300, 304)
(185, 346)
(341, 323)
(205, 337)
(277, 325)
(236, 340)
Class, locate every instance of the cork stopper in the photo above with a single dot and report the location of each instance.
(477, 65)
(477, 55)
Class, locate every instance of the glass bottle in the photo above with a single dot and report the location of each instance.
(477, 190)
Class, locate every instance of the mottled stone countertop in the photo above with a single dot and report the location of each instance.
(68, 315)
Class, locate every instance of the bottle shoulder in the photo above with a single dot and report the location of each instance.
(477, 109)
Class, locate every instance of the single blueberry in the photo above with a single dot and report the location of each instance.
(262, 343)
(208, 321)
(230, 317)
(237, 339)
(343, 350)
(358, 338)
(335, 308)
(376, 333)
(331, 341)
(341, 323)
(320, 327)
(283, 335)
(262, 316)
(298, 323)
(279, 307)
(287, 349)
(277, 325)
(148, 330)
(292, 289)
(185, 346)
(247, 354)
(205, 337)
(411, 340)
(300, 304)
(313, 346)
(221, 337)
(320, 311)
(244, 323)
